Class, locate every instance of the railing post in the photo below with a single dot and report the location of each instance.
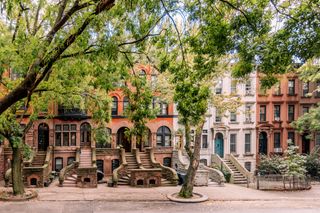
(258, 177)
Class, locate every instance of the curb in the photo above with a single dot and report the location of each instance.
(202, 198)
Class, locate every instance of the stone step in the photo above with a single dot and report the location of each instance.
(70, 185)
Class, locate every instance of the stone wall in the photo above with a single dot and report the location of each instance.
(87, 177)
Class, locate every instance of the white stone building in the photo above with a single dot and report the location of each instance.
(233, 132)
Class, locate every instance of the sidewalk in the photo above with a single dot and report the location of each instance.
(229, 192)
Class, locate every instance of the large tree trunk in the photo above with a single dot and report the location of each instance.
(17, 182)
(187, 187)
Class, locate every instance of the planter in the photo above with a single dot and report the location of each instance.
(197, 198)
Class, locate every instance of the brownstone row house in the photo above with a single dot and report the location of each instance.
(285, 102)
(65, 145)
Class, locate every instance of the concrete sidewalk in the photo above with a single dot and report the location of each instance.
(228, 192)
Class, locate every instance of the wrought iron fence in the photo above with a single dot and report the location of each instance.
(281, 182)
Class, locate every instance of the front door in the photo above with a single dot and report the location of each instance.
(305, 144)
(218, 145)
(263, 143)
(43, 137)
(123, 140)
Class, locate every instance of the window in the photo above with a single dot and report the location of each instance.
(277, 88)
(163, 108)
(263, 112)
(153, 81)
(233, 143)
(305, 109)
(105, 134)
(277, 141)
(167, 161)
(247, 143)
(233, 117)
(233, 87)
(85, 133)
(291, 87)
(66, 135)
(277, 112)
(204, 162)
(290, 113)
(248, 87)
(114, 110)
(142, 73)
(247, 113)
(218, 116)
(305, 89)
(247, 165)
(291, 137)
(204, 141)
(58, 164)
(219, 87)
(70, 160)
(163, 136)
(125, 104)
(317, 139)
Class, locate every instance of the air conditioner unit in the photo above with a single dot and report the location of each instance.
(277, 118)
(277, 150)
(248, 119)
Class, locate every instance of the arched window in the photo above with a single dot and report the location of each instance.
(163, 136)
(43, 136)
(114, 110)
(142, 73)
(125, 103)
(103, 138)
(85, 133)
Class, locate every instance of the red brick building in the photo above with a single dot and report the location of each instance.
(285, 102)
(69, 134)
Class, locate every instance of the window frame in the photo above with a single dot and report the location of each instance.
(264, 114)
(233, 143)
(114, 107)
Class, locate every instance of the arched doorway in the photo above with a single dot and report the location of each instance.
(85, 134)
(123, 140)
(146, 140)
(163, 136)
(263, 143)
(43, 137)
(305, 144)
(219, 145)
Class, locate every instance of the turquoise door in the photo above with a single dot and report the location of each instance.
(218, 145)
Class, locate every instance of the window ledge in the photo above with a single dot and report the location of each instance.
(306, 96)
(248, 122)
(277, 95)
(235, 154)
(293, 94)
(277, 121)
(248, 155)
(233, 122)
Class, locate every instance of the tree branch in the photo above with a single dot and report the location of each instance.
(146, 35)
(239, 10)
(176, 28)
(282, 13)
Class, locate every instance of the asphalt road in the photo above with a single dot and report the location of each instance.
(281, 206)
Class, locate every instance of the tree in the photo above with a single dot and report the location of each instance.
(139, 109)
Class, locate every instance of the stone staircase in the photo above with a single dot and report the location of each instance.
(132, 164)
(85, 158)
(145, 160)
(38, 160)
(238, 177)
(70, 181)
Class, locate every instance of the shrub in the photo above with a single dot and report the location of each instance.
(313, 163)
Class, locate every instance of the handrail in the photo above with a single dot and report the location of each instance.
(214, 174)
(67, 169)
(137, 156)
(167, 172)
(180, 157)
(240, 168)
(219, 162)
(28, 162)
(121, 170)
